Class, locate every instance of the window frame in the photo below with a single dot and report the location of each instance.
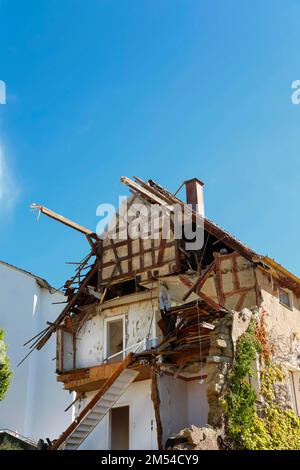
(294, 394)
(108, 320)
(290, 297)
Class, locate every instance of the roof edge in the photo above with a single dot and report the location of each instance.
(39, 280)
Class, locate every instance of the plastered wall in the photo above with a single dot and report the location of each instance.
(182, 404)
(90, 340)
(236, 285)
(282, 323)
(142, 433)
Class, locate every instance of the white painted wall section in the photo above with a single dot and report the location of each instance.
(183, 403)
(142, 432)
(34, 405)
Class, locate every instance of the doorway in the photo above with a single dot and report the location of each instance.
(119, 428)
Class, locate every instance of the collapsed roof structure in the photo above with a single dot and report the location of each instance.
(195, 291)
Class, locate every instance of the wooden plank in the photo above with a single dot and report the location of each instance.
(92, 244)
(118, 262)
(99, 264)
(209, 301)
(145, 192)
(141, 253)
(200, 281)
(59, 351)
(162, 246)
(66, 310)
(219, 279)
(236, 282)
(96, 380)
(129, 251)
(242, 290)
(156, 404)
(63, 220)
(73, 375)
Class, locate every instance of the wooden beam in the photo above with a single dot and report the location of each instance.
(68, 307)
(72, 375)
(156, 404)
(149, 193)
(200, 281)
(91, 379)
(118, 262)
(63, 220)
(219, 279)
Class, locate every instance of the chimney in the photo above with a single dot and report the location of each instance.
(195, 195)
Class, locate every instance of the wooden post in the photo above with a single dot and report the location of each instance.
(156, 403)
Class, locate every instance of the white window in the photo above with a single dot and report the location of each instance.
(114, 340)
(285, 298)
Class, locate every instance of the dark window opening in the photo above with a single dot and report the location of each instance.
(114, 340)
(201, 259)
(123, 288)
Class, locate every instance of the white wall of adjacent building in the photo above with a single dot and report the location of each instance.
(35, 403)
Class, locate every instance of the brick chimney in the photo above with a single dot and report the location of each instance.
(195, 195)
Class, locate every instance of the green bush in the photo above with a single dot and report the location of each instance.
(274, 428)
(5, 370)
(8, 445)
(240, 400)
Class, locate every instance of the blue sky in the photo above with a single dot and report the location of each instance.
(167, 90)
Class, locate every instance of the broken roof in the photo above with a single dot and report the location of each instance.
(158, 191)
(154, 193)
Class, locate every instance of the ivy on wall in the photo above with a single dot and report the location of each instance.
(240, 400)
(272, 427)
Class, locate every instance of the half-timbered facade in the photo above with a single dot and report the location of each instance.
(150, 328)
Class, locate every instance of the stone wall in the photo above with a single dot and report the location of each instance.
(221, 356)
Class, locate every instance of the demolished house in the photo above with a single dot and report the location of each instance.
(148, 337)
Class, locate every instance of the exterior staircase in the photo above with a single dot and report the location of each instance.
(97, 408)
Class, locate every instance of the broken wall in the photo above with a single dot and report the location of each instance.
(183, 403)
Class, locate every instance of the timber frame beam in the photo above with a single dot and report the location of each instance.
(63, 220)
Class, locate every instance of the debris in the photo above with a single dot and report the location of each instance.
(195, 438)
